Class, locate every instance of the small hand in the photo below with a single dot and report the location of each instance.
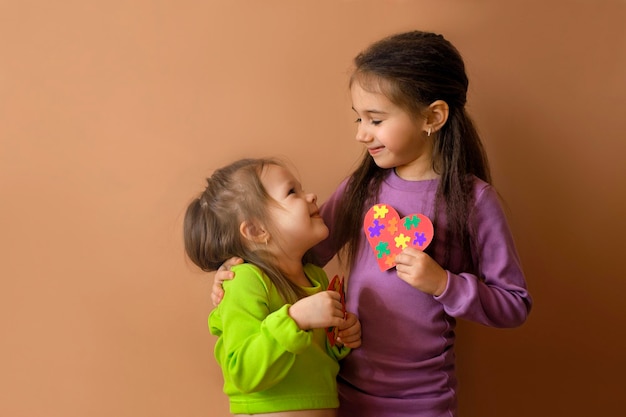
(222, 274)
(350, 332)
(421, 271)
(318, 311)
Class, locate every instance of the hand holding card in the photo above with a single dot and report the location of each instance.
(388, 234)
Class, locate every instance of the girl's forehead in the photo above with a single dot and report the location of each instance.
(358, 90)
(370, 82)
(272, 174)
(272, 169)
(364, 99)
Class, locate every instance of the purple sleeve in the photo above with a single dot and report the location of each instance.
(500, 297)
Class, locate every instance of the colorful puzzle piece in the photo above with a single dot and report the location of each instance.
(388, 234)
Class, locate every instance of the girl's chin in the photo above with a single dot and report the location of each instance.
(381, 163)
(323, 234)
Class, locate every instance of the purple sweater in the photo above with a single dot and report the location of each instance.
(406, 363)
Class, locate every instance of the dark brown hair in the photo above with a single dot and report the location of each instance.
(211, 234)
(413, 70)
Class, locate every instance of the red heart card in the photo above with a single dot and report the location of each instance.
(388, 234)
(336, 284)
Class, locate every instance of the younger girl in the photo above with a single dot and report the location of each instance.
(423, 155)
(272, 347)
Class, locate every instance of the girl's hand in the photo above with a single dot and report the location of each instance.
(222, 274)
(350, 332)
(421, 272)
(318, 311)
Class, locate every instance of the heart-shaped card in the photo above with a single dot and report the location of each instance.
(388, 234)
(336, 284)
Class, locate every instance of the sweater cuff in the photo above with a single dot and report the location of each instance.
(459, 290)
(286, 332)
(448, 294)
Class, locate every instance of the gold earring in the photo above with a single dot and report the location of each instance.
(429, 130)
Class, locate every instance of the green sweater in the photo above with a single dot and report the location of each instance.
(268, 363)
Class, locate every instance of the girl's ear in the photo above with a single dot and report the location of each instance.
(436, 116)
(253, 232)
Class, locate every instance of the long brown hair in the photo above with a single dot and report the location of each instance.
(413, 70)
(211, 234)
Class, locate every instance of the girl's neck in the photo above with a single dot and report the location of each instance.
(419, 169)
(298, 277)
(411, 173)
(294, 271)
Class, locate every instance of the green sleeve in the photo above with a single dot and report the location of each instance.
(258, 341)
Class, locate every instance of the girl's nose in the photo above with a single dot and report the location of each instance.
(362, 135)
(312, 197)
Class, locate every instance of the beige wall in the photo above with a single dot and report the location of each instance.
(112, 113)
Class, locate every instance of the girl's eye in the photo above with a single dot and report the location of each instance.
(374, 122)
(291, 191)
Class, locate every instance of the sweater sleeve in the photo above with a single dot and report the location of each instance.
(257, 346)
(498, 296)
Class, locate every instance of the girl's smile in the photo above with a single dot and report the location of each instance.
(375, 150)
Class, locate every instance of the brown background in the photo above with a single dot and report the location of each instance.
(113, 112)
